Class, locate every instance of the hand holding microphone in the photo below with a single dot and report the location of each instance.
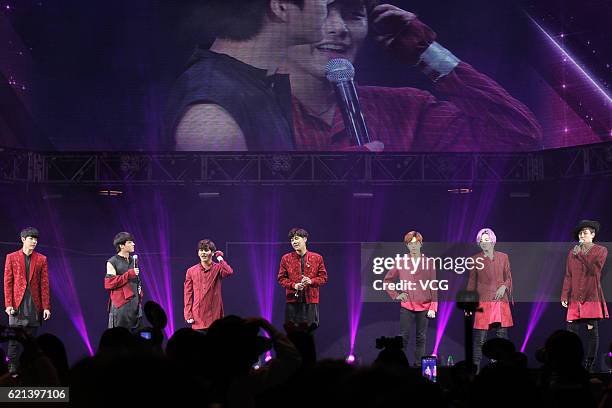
(218, 255)
(302, 285)
(298, 287)
(136, 270)
(578, 247)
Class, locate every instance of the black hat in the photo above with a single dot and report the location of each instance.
(586, 224)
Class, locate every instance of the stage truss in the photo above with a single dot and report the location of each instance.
(114, 168)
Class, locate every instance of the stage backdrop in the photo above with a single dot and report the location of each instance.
(250, 225)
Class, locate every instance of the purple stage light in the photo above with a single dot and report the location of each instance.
(354, 306)
(268, 357)
(152, 233)
(465, 219)
(568, 57)
(445, 310)
(263, 251)
(365, 219)
(62, 282)
(351, 359)
(536, 313)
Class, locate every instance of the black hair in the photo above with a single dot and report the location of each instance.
(29, 232)
(237, 20)
(300, 232)
(121, 238)
(207, 244)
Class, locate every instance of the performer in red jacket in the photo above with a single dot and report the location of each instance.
(417, 306)
(582, 292)
(123, 281)
(493, 282)
(302, 273)
(26, 291)
(203, 302)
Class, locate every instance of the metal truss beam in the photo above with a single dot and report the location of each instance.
(114, 168)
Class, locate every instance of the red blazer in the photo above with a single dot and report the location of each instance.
(290, 273)
(120, 291)
(15, 280)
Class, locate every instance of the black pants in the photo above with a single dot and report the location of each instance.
(15, 348)
(130, 316)
(480, 337)
(303, 314)
(592, 339)
(407, 319)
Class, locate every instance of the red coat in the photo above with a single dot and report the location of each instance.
(15, 280)
(120, 291)
(290, 273)
(202, 295)
(486, 282)
(582, 284)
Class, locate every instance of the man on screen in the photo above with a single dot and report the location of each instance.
(231, 97)
(473, 112)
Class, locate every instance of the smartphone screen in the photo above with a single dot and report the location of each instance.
(145, 335)
(429, 367)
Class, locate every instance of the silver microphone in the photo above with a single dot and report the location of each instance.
(340, 72)
(135, 258)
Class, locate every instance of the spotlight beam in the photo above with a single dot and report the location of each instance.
(567, 55)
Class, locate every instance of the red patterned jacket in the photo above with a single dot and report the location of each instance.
(290, 273)
(15, 280)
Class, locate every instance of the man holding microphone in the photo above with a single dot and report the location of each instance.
(123, 282)
(302, 273)
(582, 292)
